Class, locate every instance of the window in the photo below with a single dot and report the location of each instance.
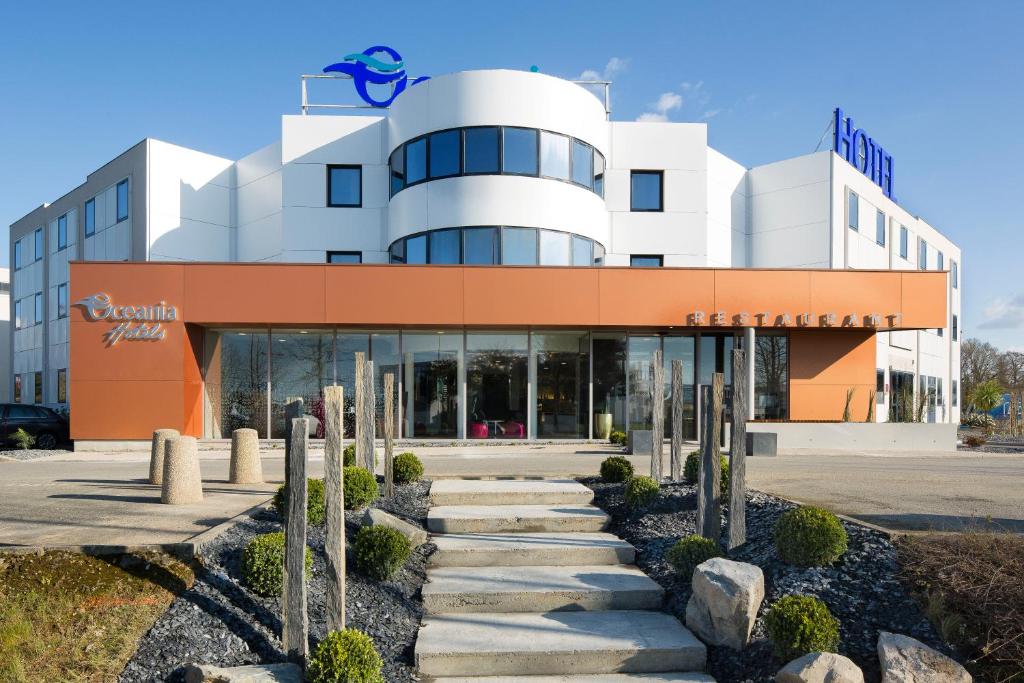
(481, 153)
(90, 217)
(344, 257)
(62, 386)
(122, 200)
(582, 251)
(62, 232)
(879, 386)
(645, 191)
(38, 236)
(481, 246)
(922, 254)
(39, 308)
(17, 388)
(37, 390)
(880, 228)
(19, 322)
(554, 248)
(940, 261)
(493, 245)
(17, 254)
(397, 170)
(771, 375)
(62, 300)
(519, 246)
(854, 211)
(904, 240)
(345, 186)
(954, 274)
(416, 250)
(444, 247)
(645, 261)
(598, 173)
(955, 394)
(598, 254)
(445, 154)
(582, 164)
(954, 327)
(554, 155)
(416, 161)
(519, 151)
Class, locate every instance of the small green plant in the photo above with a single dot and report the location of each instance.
(618, 438)
(23, 439)
(263, 563)
(640, 491)
(345, 656)
(407, 468)
(360, 488)
(348, 455)
(381, 551)
(616, 469)
(800, 624)
(849, 399)
(809, 537)
(691, 470)
(691, 551)
(871, 405)
(314, 501)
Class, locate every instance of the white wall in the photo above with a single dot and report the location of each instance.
(728, 233)
(258, 199)
(112, 240)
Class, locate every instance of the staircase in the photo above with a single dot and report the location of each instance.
(526, 586)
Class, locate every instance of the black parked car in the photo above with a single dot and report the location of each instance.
(49, 427)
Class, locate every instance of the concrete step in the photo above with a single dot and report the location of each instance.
(491, 519)
(681, 677)
(509, 492)
(539, 589)
(556, 643)
(537, 549)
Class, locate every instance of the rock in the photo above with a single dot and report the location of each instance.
(417, 535)
(906, 660)
(724, 603)
(267, 673)
(820, 667)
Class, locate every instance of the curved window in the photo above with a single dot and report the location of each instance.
(497, 245)
(496, 150)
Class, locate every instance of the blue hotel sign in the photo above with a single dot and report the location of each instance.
(364, 67)
(861, 151)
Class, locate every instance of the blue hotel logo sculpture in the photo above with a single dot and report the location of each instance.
(861, 151)
(364, 68)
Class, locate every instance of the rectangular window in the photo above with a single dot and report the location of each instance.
(398, 252)
(645, 190)
(480, 246)
(122, 200)
(444, 247)
(17, 254)
(554, 248)
(955, 394)
(90, 217)
(854, 211)
(954, 327)
(19, 322)
(954, 273)
(416, 250)
(771, 375)
(598, 173)
(416, 161)
(922, 254)
(645, 261)
(62, 232)
(904, 242)
(37, 390)
(481, 153)
(62, 386)
(554, 155)
(582, 251)
(519, 246)
(940, 261)
(519, 151)
(397, 170)
(582, 164)
(38, 236)
(880, 228)
(879, 386)
(17, 388)
(445, 153)
(344, 257)
(62, 300)
(39, 308)
(345, 186)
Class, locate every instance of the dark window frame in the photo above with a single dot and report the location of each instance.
(38, 245)
(38, 308)
(659, 257)
(536, 150)
(62, 287)
(661, 189)
(399, 245)
(955, 328)
(330, 182)
(430, 141)
(62, 386)
(922, 254)
(90, 203)
(17, 257)
(853, 200)
(117, 200)
(62, 221)
(904, 243)
(880, 228)
(37, 387)
(343, 253)
(954, 271)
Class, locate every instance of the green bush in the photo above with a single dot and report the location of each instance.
(809, 537)
(691, 470)
(381, 551)
(616, 469)
(800, 624)
(314, 501)
(691, 551)
(641, 491)
(360, 488)
(617, 438)
(345, 656)
(348, 456)
(263, 564)
(23, 439)
(407, 468)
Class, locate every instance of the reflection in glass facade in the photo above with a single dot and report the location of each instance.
(496, 386)
(430, 370)
(640, 380)
(347, 345)
(236, 372)
(301, 365)
(609, 381)
(683, 349)
(561, 365)
(771, 377)
(497, 245)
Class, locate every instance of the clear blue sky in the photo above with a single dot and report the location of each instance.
(940, 84)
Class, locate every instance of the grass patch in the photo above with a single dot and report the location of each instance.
(70, 617)
(972, 588)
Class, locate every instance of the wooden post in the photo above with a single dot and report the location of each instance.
(294, 621)
(657, 414)
(368, 417)
(738, 454)
(677, 420)
(389, 431)
(334, 503)
(360, 397)
(709, 513)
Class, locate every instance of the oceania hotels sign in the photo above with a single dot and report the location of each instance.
(131, 322)
(862, 151)
(377, 65)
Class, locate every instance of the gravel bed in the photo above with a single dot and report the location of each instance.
(218, 621)
(31, 453)
(862, 590)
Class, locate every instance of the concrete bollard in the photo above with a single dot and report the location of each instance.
(156, 454)
(246, 466)
(183, 484)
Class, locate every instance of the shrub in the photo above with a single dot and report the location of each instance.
(800, 624)
(345, 656)
(360, 488)
(314, 501)
(348, 456)
(641, 491)
(381, 551)
(407, 468)
(691, 470)
(691, 551)
(616, 469)
(23, 439)
(809, 536)
(974, 441)
(263, 563)
(618, 438)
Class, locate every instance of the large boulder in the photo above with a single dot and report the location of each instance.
(820, 667)
(264, 673)
(906, 660)
(417, 535)
(724, 603)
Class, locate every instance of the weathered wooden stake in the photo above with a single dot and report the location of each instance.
(389, 432)
(738, 454)
(360, 397)
(368, 417)
(334, 503)
(657, 414)
(294, 621)
(677, 420)
(709, 510)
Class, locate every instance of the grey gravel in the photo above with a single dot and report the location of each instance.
(218, 621)
(31, 453)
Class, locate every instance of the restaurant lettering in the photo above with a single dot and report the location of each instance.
(770, 319)
(131, 323)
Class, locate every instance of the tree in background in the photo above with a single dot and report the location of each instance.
(1010, 367)
(986, 396)
(979, 362)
